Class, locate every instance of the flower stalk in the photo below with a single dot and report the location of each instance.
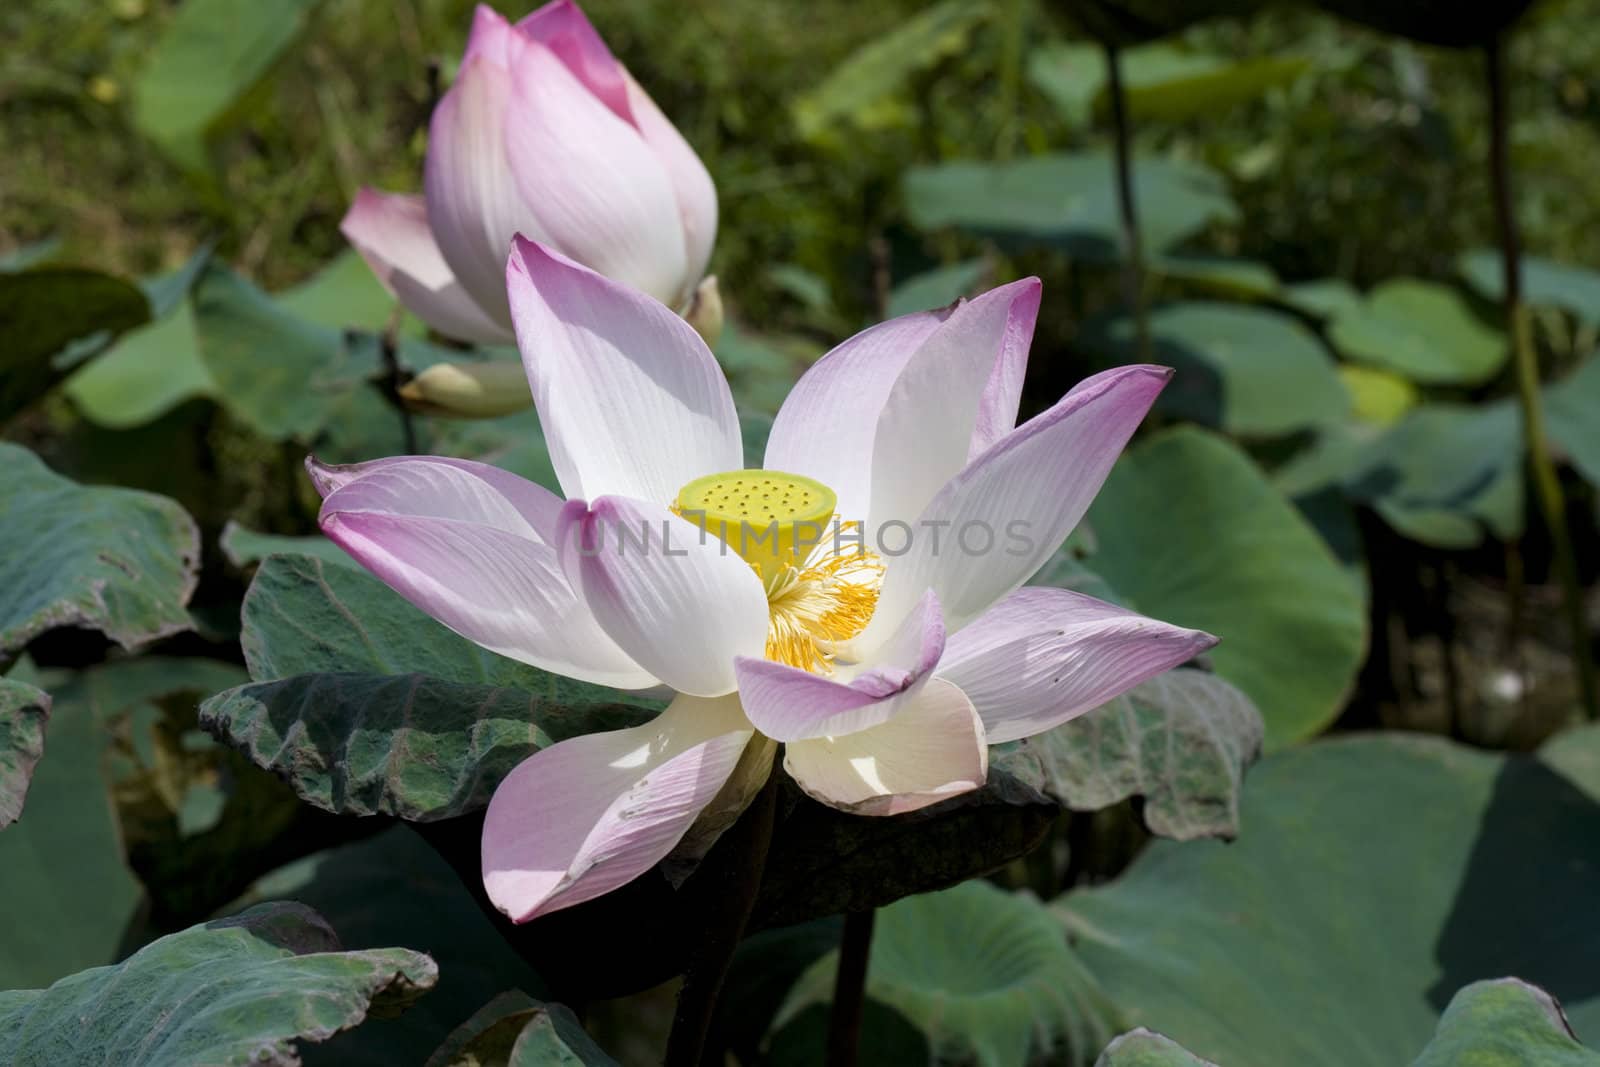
(1127, 203)
(850, 989)
(1547, 486)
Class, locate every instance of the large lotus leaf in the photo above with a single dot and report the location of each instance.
(1376, 875)
(1544, 281)
(1249, 371)
(983, 973)
(69, 894)
(392, 889)
(512, 442)
(1572, 416)
(1444, 473)
(1146, 1048)
(1068, 200)
(207, 59)
(282, 375)
(1181, 741)
(1504, 1021)
(1162, 82)
(1322, 298)
(1422, 330)
(229, 993)
(24, 710)
(344, 294)
(51, 319)
(822, 862)
(366, 706)
(518, 1031)
(245, 547)
(856, 89)
(1189, 530)
(303, 615)
(119, 561)
(412, 746)
(1225, 276)
(1440, 22)
(937, 288)
(155, 368)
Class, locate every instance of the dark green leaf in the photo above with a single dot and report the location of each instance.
(115, 560)
(237, 991)
(1374, 877)
(210, 55)
(1145, 1048)
(1544, 281)
(281, 375)
(24, 711)
(1067, 200)
(344, 294)
(1232, 556)
(394, 890)
(244, 547)
(412, 746)
(1422, 330)
(518, 1031)
(1181, 740)
(1250, 371)
(1573, 418)
(1504, 1021)
(53, 923)
(854, 89)
(937, 288)
(983, 973)
(53, 318)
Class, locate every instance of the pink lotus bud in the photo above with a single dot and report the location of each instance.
(544, 134)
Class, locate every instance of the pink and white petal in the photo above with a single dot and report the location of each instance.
(691, 182)
(828, 422)
(1028, 491)
(589, 814)
(1043, 656)
(631, 400)
(598, 191)
(789, 704)
(932, 750)
(433, 486)
(474, 207)
(492, 37)
(997, 410)
(925, 430)
(500, 590)
(679, 602)
(563, 28)
(390, 230)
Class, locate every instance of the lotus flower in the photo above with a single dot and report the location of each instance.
(543, 133)
(886, 667)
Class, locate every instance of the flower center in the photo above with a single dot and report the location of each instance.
(821, 581)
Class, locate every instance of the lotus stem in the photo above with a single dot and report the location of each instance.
(1127, 204)
(850, 989)
(1547, 486)
(741, 856)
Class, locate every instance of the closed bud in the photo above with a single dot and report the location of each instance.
(705, 311)
(469, 390)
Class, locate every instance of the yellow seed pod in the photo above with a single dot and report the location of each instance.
(771, 518)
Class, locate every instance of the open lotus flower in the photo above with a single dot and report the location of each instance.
(543, 133)
(886, 659)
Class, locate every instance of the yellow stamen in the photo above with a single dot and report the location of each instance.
(818, 607)
(822, 584)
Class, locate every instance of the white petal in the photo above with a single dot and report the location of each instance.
(932, 750)
(680, 603)
(591, 813)
(1043, 656)
(631, 400)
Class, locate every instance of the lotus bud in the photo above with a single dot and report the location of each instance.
(544, 134)
(469, 390)
(705, 311)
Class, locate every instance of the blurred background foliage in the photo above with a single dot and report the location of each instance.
(1334, 482)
